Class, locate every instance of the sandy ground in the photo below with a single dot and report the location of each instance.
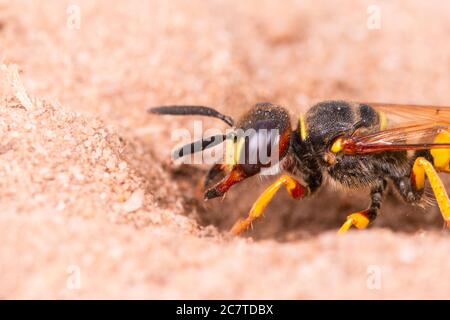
(92, 207)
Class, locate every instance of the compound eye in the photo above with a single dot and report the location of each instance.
(259, 147)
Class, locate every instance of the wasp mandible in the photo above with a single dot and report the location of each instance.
(357, 145)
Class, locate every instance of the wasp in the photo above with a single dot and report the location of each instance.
(356, 145)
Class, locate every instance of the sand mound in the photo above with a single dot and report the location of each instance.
(51, 158)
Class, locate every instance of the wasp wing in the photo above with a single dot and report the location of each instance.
(402, 127)
(399, 114)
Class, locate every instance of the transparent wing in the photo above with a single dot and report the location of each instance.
(401, 114)
(404, 127)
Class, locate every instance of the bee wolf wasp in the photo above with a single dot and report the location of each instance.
(357, 145)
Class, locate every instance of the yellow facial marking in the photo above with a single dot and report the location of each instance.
(232, 151)
(229, 152)
(302, 125)
(337, 146)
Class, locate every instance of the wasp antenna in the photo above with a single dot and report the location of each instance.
(192, 110)
(199, 145)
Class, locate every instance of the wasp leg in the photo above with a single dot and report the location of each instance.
(363, 218)
(294, 188)
(407, 190)
(423, 167)
(406, 186)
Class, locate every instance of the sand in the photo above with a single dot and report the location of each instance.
(91, 205)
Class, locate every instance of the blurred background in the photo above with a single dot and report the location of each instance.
(136, 226)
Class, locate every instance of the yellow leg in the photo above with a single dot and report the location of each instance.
(358, 219)
(423, 167)
(295, 189)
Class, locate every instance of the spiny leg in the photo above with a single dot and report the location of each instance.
(294, 188)
(423, 167)
(407, 190)
(361, 219)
